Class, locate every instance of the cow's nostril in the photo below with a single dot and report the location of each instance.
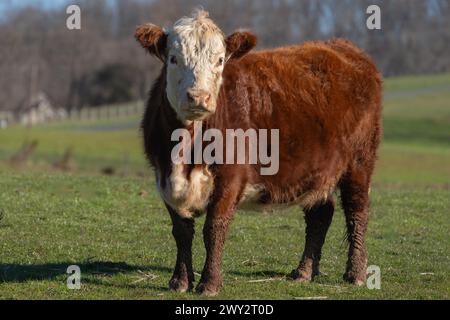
(190, 98)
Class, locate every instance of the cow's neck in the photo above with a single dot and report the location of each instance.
(185, 187)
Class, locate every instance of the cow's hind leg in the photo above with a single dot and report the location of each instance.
(183, 231)
(318, 219)
(355, 201)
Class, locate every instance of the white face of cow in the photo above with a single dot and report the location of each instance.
(194, 51)
(196, 55)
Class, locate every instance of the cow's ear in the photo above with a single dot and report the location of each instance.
(152, 38)
(239, 44)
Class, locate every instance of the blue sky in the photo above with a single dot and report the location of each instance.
(44, 4)
(47, 4)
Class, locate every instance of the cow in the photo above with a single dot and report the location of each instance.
(325, 99)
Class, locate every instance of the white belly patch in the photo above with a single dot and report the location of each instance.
(187, 193)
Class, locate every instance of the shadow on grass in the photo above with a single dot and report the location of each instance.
(18, 273)
(261, 274)
(23, 272)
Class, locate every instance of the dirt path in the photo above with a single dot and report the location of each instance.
(394, 94)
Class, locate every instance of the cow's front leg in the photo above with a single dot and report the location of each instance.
(183, 232)
(218, 218)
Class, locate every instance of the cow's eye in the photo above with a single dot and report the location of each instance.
(220, 62)
(173, 60)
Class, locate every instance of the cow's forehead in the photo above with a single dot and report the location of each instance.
(196, 36)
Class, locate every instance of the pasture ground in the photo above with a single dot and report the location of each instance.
(116, 230)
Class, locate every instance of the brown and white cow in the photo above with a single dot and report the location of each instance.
(325, 99)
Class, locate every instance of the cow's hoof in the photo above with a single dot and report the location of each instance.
(299, 276)
(207, 290)
(177, 285)
(350, 277)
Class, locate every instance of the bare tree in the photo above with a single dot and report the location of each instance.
(39, 54)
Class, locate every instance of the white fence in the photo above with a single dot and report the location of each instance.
(108, 112)
(94, 114)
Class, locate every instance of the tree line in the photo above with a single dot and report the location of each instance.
(101, 63)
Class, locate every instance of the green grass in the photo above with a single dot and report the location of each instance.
(94, 146)
(423, 119)
(116, 229)
(409, 83)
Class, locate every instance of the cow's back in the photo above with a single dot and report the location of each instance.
(332, 77)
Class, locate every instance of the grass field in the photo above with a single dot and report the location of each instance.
(116, 230)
